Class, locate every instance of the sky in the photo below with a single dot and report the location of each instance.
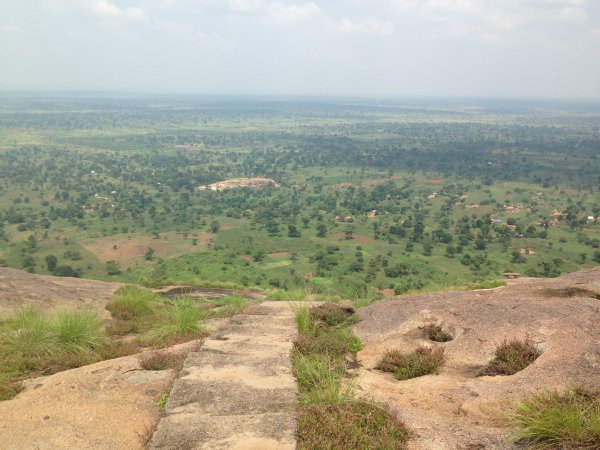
(399, 48)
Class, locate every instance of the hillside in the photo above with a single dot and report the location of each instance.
(453, 409)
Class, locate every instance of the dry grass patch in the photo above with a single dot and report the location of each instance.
(404, 366)
(163, 361)
(512, 357)
(352, 425)
(332, 315)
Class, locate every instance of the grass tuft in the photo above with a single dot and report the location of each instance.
(303, 322)
(320, 379)
(78, 331)
(511, 357)
(232, 304)
(132, 302)
(550, 420)
(27, 335)
(404, 366)
(180, 319)
(436, 333)
(294, 295)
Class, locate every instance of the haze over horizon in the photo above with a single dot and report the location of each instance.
(449, 48)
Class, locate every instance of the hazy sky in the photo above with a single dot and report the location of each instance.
(506, 48)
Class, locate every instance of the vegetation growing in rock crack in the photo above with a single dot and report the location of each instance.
(422, 361)
(511, 357)
(331, 416)
(436, 333)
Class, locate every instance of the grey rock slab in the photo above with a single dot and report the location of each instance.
(192, 431)
(228, 398)
(238, 391)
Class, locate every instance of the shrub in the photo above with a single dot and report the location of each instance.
(511, 357)
(436, 333)
(355, 424)
(423, 361)
(550, 420)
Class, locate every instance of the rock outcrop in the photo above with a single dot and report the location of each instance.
(456, 408)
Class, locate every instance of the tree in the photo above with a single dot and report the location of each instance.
(29, 264)
(293, 231)
(112, 267)
(149, 255)
(66, 271)
(51, 262)
(517, 257)
(214, 226)
(321, 230)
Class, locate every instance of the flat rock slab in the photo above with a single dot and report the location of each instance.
(238, 391)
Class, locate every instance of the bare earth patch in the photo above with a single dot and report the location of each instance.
(253, 183)
(457, 408)
(127, 249)
(526, 251)
(355, 237)
(433, 181)
(279, 255)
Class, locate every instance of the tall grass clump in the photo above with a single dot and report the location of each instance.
(232, 304)
(181, 318)
(549, 420)
(78, 331)
(131, 302)
(303, 322)
(27, 335)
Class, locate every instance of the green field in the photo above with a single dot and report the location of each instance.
(392, 198)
